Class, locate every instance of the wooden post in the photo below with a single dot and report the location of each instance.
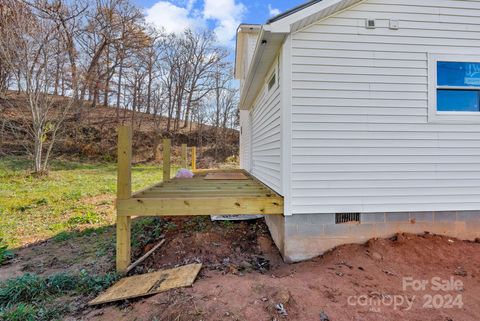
(166, 159)
(124, 192)
(184, 155)
(194, 158)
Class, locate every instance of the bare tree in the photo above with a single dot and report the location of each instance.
(203, 58)
(33, 56)
(104, 52)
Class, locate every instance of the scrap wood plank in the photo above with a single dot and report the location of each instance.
(228, 175)
(149, 283)
(143, 258)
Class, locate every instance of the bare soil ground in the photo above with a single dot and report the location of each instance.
(244, 278)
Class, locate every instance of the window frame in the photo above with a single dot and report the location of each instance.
(273, 72)
(448, 116)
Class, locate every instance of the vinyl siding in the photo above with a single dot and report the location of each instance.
(245, 139)
(361, 140)
(266, 141)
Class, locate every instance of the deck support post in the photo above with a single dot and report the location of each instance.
(166, 159)
(184, 155)
(124, 192)
(194, 158)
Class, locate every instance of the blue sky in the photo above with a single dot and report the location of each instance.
(222, 16)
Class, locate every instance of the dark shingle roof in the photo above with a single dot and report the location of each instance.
(293, 10)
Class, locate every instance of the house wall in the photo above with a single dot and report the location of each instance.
(266, 133)
(245, 140)
(361, 139)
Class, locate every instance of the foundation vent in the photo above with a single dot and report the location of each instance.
(341, 218)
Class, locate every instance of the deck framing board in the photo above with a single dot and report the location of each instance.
(197, 196)
(176, 197)
(233, 205)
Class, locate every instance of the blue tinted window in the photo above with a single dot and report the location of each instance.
(458, 73)
(458, 100)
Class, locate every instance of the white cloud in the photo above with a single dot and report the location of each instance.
(273, 11)
(177, 15)
(227, 15)
(173, 18)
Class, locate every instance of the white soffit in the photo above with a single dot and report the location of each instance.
(267, 48)
(310, 14)
(272, 36)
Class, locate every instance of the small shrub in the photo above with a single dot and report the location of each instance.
(20, 312)
(227, 224)
(23, 208)
(41, 201)
(5, 253)
(73, 195)
(32, 289)
(26, 288)
(86, 218)
(30, 312)
(198, 223)
(169, 226)
(148, 229)
(63, 236)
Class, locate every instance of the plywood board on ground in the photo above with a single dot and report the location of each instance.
(232, 176)
(149, 283)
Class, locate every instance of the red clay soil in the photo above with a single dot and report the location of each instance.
(244, 278)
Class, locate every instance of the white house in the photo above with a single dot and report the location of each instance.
(365, 117)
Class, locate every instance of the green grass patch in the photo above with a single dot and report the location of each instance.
(198, 224)
(5, 253)
(32, 297)
(148, 229)
(33, 208)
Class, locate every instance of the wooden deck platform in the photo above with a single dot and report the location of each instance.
(228, 192)
(200, 196)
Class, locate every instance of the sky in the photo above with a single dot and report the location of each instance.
(222, 16)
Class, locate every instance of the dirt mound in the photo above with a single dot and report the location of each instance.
(374, 281)
(229, 247)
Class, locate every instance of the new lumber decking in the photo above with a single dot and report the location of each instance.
(175, 197)
(198, 196)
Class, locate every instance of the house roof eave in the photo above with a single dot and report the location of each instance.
(267, 47)
(273, 34)
(242, 30)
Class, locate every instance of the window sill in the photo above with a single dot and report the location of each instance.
(454, 117)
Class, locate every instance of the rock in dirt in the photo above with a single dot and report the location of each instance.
(377, 256)
(324, 316)
(460, 271)
(262, 264)
(245, 265)
(281, 309)
(388, 272)
(282, 296)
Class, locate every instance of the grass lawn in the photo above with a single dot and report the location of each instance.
(73, 197)
(73, 208)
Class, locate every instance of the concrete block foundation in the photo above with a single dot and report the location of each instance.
(303, 236)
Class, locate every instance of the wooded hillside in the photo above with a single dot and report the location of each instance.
(94, 137)
(71, 71)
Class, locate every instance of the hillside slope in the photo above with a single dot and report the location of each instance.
(93, 136)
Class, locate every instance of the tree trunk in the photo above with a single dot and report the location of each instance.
(149, 90)
(37, 151)
(119, 87)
